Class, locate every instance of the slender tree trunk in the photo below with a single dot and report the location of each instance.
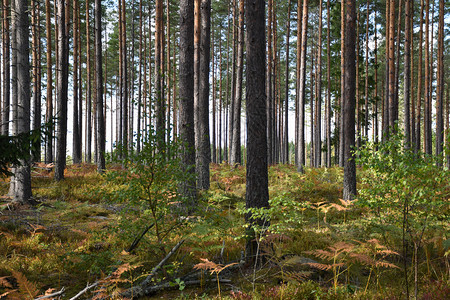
(427, 93)
(440, 84)
(297, 83)
(366, 82)
(49, 100)
(139, 100)
(328, 103)
(407, 74)
(203, 147)
(392, 83)
(285, 158)
(76, 138)
(236, 147)
(376, 101)
(419, 81)
(341, 106)
(311, 104)
(99, 88)
(36, 145)
(220, 99)
(349, 101)
(385, 119)
(257, 191)
(62, 87)
(214, 97)
(124, 93)
(302, 89)
(447, 121)
(88, 153)
(358, 102)
(6, 69)
(269, 78)
(22, 174)
(186, 90)
(159, 70)
(318, 110)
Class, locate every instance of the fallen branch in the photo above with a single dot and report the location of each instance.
(87, 288)
(52, 295)
(170, 285)
(139, 290)
(139, 238)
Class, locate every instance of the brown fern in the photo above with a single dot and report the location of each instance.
(26, 287)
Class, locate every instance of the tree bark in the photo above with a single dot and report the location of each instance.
(186, 100)
(99, 88)
(257, 191)
(302, 91)
(76, 132)
(407, 74)
(328, 103)
(349, 101)
(6, 69)
(419, 82)
(62, 88)
(318, 109)
(285, 158)
(36, 63)
(236, 147)
(440, 84)
(49, 100)
(203, 147)
(159, 70)
(341, 105)
(88, 151)
(392, 88)
(22, 173)
(427, 93)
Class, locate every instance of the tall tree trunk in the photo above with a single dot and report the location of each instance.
(440, 84)
(124, 79)
(407, 74)
(366, 82)
(35, 30)
(318, 110)
(257, 191)
(341, 106)
(385, 119)
(349, 101)
(76, 137)
(6, 69)
(22, 173)
(297, 73)
(358, 102)
(302, 89)
(63, 70)
(392, 87)
(203, 147)
(214, 97)
(99, 88)
(447, 121)
(328, 103)
(269, 79)
(427, 92)
(236, 147)
(139, 100)
(285, 151)
(419, 81)
(88, 153)
(159, 70)
(186, 100)
(311, 103)
(49, 100)
(376, 101)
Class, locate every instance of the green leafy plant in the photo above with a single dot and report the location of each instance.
(149, 183)
(405, 191)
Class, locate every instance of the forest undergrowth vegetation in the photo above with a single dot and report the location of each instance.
(114, 229)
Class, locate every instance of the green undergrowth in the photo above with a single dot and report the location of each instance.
(317, 246)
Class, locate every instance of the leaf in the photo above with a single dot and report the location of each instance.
(26, 287)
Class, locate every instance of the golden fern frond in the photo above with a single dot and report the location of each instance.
(322, 267)
(5, 283)
(385, 264)
(322, 254)
(338, 207)
(206, 265)
(387, 252)
(26, 287)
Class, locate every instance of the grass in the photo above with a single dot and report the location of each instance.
(78, 232)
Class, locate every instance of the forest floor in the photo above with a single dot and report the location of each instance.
(317, 246)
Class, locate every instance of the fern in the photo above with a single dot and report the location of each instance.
(27, 289)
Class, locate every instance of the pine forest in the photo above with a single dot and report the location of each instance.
(224, 149)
